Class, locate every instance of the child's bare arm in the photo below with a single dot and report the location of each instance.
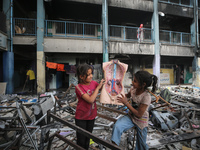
(139, 112)
(91, 99)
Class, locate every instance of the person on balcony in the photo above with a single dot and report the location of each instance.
(140, 34)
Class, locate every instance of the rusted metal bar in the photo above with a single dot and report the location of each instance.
(159, 106)
(18, 128)
(3, 107)
(112, 110)
(86, 133)
(50, 141)
(164, 100)
(157, 97)
(106, 117)
(68, 144)
(68, 141)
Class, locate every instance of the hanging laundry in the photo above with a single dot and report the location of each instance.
(60, 67)
(72, 69)
(67, 67)
(51, 65)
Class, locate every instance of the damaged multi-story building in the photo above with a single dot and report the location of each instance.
(70, 32)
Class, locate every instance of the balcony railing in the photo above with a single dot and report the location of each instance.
(126, 33)
(72, 29)
(3, 22)
(54, 28)
(178, 38)
(185, 3)
(23, 26)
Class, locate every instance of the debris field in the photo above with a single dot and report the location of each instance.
(46, 121)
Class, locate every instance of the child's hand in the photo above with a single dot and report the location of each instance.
(101, 84)
(121, 99)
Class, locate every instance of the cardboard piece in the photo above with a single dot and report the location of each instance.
(3, 87)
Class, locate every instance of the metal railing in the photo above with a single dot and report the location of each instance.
(125, 33)
(186, 3)
(178, 38)
(24, 26)
(54, 28)
(72, 29)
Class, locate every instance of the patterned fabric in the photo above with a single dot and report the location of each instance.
(144, 98)
(85, 110)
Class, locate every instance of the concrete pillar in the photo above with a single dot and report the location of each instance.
(8, 57)
(155, 27)
(195, 41)
(8, 71)
(41, 87)
(105, 30)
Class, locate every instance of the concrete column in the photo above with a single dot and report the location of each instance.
(105, 30)
(41, 88)
(195, 41)
(155, 25)
(8, 57)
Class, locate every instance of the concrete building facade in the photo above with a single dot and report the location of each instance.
(71, 32)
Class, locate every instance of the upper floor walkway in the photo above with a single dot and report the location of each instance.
(56, 28)
(56, 31)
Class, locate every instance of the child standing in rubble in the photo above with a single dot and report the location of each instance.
(86, 111)
(138, 115)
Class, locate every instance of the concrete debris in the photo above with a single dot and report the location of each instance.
(46, 121)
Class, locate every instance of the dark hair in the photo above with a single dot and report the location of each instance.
(82, 69)
(145, 77)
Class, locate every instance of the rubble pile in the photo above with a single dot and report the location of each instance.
(46, 121)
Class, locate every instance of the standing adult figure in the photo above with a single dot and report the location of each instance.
(178, 74)
(31, 78)
(140, 35)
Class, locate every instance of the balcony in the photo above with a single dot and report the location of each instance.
(68, 29)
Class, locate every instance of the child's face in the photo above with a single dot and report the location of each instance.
(87, 79)
(135, 83)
